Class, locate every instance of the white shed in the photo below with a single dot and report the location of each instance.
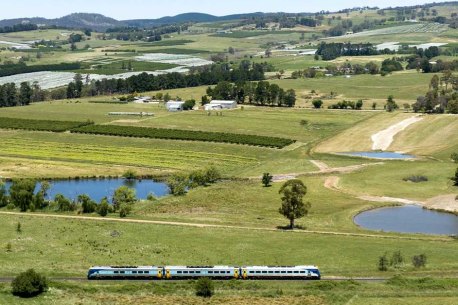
(174, 106)
(223, 104)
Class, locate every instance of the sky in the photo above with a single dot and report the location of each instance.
(150, 9)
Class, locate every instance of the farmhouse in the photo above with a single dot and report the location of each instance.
(174, 106)
(218, 105)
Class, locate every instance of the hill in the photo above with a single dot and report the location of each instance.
(96, 22)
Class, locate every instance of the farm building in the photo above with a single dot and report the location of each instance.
(174, 106)
(217, 105)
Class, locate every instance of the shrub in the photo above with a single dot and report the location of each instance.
(9, 247)
(419, 260)
(397, 259)
(267, 179)
(130, 174)
(103, 207)
(178, 183)
(304, 122)
(29, 284)
(204, 288)
(151, 197)
(383, 263)
(454, 157)
(124, 210)
(317, 104)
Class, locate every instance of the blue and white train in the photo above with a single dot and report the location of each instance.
(213, 272)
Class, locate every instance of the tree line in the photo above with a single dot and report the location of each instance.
(261, 93)
(208, 75)
(19, 28)
(442, 95)
(21, 67)
(22, 195)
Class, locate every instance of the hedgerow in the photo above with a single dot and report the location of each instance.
(40, 125)
(190, 135)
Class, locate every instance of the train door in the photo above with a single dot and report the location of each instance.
(167, 274)
(159, 274)
(236, 273)
(244, 274)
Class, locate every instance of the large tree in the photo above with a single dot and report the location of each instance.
(21, 193)
(293, 206)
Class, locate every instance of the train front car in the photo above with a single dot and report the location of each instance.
(125, 273)
(192, 272)
(280, 273)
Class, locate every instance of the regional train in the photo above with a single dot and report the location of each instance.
(213, 272)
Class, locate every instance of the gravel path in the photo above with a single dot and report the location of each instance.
(383, 139)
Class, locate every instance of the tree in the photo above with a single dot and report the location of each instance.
(317, 104)
(29, 284)
(204, 100)
(63, 204)
(21, 193)
(266, 179)
(383, 263)
(397, 259)
(419, 260)
(87, 204)
(374, 105)
(25, 93)
(204, 287)
(189, 104)
(293, 206)
(19, 228)
(123, 195)
(212, 175)
(290, 98)
(103, 207)
(124, 210)
(178, 183)
(391, 104)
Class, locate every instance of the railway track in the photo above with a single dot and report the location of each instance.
(84, 279)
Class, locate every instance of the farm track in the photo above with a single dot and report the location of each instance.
(215, 226)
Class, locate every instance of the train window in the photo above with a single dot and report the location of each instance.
(283, 272)
(210, 272)
(116, 272)
(290, 272)
(191, 271)
(179, 272)
(134, 272)
(185, 271)
(296, 271)
(251, 272)
(302, 271)
(122, 272)
(264, 272)
(140, 272)
(271, 272)
(197, 271)
(216, 272)
(258, 271)
(145, 271)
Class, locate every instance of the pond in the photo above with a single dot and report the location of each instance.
(99, 188)
(379, 155)
(408, 219)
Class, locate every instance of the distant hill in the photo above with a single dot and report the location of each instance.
(96, 22)
(189, 17)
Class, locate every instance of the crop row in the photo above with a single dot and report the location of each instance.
(189, 135)
(172, 159)
(40, 125)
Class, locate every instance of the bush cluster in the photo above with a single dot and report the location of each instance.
(29, 284)
(180, 183)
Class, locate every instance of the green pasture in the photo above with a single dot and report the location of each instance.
(398, 290)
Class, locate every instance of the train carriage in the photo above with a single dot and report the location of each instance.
(125, 272)
(280, 273)
(189, 272)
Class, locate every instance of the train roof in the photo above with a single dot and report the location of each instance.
(124, 267)
(200, 267)
(282, 267)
